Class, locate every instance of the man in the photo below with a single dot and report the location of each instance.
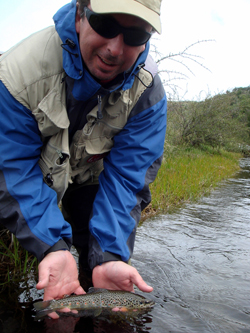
(82, 123)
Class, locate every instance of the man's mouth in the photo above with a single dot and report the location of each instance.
(106, 62)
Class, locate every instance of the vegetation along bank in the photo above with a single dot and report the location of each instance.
(204, 142)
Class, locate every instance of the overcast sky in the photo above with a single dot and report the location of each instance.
(225, 23)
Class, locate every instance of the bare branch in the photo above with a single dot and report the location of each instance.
(184, 58)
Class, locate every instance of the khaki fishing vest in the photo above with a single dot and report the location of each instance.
(34, 78)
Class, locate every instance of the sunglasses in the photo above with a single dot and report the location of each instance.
(109, 28)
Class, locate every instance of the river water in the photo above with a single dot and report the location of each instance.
(198, 261)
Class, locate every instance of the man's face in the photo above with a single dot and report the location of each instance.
(106, 58)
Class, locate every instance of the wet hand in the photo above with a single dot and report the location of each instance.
(58, 276)
(117, 275)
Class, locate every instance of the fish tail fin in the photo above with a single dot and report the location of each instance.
(42, 313)
(42, 309)
(41, 305)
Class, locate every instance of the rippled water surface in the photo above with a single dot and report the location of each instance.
(197, 260)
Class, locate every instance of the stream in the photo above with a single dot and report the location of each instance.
(198, 261)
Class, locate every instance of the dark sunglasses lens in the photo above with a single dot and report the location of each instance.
(103, 26)
(136, 37)
(108, 28)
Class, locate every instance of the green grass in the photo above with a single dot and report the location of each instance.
(16, 263)
(187, 174)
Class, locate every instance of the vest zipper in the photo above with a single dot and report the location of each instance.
(99, 111)
(100, 115)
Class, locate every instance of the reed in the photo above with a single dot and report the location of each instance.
(186, 175)
(16, 263)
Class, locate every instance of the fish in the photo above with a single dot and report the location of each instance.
(96, 301)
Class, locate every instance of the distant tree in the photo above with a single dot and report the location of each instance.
(210, 122)
(241, 102)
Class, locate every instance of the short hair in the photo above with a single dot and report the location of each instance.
(82, 4)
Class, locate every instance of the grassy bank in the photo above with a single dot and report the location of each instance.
(186, 175)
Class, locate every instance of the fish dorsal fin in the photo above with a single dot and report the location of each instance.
(93, 290)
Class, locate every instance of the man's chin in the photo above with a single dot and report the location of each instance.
(104, 77)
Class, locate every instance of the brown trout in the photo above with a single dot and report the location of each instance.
(95, 302)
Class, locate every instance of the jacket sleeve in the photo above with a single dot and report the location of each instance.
(28, 207)
(131, 165)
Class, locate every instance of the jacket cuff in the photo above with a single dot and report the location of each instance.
(102, 258)
(97, 256)
(59, 246)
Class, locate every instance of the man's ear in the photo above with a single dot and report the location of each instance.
(78, 18)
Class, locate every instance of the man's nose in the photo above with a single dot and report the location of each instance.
(116, 45)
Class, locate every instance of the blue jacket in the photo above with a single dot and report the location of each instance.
(28, 207)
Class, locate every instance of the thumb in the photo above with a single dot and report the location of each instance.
(79, 291)
(140, 283)
(43, 278)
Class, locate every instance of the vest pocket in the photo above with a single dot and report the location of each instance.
(51, 114)
(55, 168)
(91, 174)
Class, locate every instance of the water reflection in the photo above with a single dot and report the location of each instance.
(97, 325)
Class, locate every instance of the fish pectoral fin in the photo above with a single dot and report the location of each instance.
(97, 312)
(90, 313)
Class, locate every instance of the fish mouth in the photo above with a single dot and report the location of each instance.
(151, 303)
(148, 304)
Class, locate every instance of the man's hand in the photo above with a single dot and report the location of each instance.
(118, 275)
(58, 276)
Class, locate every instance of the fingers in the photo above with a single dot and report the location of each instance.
(118, 275)
(79, 291)
(58, 276)
(53, 315)
(140, 283)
